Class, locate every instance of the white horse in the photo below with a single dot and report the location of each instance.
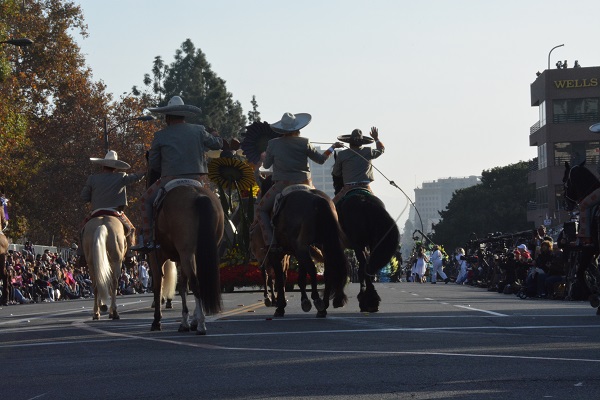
(104, 248)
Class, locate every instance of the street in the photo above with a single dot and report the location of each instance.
(426, 342)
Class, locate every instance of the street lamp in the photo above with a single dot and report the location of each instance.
(555, 47)
(106, 130)
(20, 42)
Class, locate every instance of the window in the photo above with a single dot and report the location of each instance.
(542, 110)
(576, 110)
(542, 159)
(576, 152)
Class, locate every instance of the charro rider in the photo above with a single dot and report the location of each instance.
(586, 206)
(288, 154)
(353, 165)
(177, 151)
(107, 193)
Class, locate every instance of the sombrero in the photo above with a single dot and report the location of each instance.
(356, 137)
(291, 122)
(595, 128)
(111, 160)
(175, 106)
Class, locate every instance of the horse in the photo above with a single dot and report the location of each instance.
(578, 182)
(104, 248)
(188, 229)
(305, 225)
(259, 251)
(373, 235)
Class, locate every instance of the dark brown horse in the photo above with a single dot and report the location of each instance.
(3, 272)
(189, 228)
(578, 182)
(307, 220)
(373, 235)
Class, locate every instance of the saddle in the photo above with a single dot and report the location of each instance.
(357, 191)
(279, 199)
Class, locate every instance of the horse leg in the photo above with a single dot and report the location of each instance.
(275, 260)
(266, 281)
(184, 326)
(199, 318)
(114, 314)
(304, 302)
(96, 314)
(368, 298)
(157, 277)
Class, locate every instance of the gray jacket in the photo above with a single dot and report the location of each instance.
(107, 190)
(289, 157)
(352, 167)
(179, 149)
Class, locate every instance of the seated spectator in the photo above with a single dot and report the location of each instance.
(536, 278)
(557, 273)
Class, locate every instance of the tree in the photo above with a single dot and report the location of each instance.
(190, 76)
(498, 204)
(254, 115)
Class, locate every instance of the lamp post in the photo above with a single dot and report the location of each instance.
(20, 42)
(555, 47)
(106, 130)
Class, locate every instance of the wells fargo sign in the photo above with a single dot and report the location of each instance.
(576, 83)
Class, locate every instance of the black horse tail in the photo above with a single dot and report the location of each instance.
(336, 264)
(384, 235)
(207, 257)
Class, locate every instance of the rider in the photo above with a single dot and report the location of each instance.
(107, 192)
(353, 165)
(288, 154)
(177, 151)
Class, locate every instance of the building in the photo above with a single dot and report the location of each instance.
(434, 197)
(568, 100)
(321, 174)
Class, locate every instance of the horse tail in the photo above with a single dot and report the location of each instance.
(384, 235)
(169, 283)
(207, 257)
(336, 264)
(103, 273)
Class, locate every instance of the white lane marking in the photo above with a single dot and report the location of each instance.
(483, 311)
(113, 336)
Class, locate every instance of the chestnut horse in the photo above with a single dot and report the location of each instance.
(373, 235)
(188, 229)
(307, 220)
(104, 248)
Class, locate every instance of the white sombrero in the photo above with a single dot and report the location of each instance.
(291, 122)
(111, 160)
(175, 106)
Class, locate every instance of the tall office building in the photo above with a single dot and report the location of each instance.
(568, 100)
(434, 197)
(321, 174)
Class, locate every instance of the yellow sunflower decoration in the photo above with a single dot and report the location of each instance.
(231, 173)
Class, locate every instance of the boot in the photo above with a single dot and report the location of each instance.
(143, 247)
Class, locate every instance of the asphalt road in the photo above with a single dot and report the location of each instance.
(427, 342)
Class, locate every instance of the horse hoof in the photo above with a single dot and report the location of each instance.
(319, 304)
(306, 306)
(201, 332)
(322, 314)
(183, 328)
(268, 302)
(279, 313)
(104, 308)
(594, 300)
(95, 317)
(194, 326)
(169, 304)
(155, 327)
(116, 316)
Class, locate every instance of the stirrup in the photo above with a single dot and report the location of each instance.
(145, 248)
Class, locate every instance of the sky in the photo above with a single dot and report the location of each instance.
(447, 83)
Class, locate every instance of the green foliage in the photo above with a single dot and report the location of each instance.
(498, 204)
(254, 115)
(190, 76)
